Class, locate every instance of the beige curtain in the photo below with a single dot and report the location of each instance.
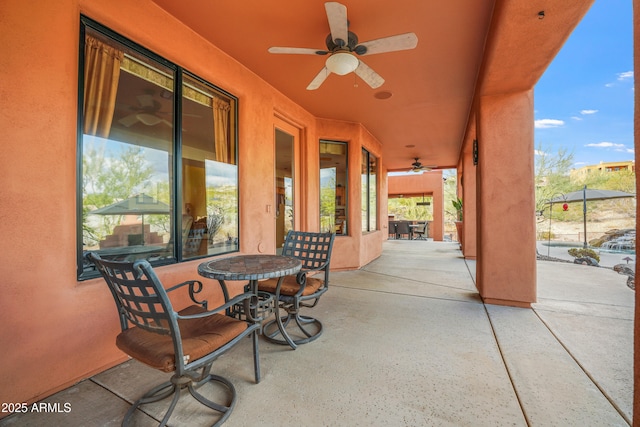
(101, 74)
(224, 151)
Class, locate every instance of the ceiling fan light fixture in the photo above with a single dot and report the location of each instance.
(342, 63)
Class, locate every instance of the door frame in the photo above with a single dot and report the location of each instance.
(290, 128)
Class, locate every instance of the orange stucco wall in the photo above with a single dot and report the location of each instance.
(506, 267)
(467, 171)
(427, 183)
(56, 330)
(356, 249)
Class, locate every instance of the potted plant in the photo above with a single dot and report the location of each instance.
(457, 204)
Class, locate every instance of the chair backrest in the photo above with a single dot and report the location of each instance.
(139, 296)
(403, 227)
(421, 228)
(312, 249)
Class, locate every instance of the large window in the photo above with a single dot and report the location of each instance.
(369, 181)
(157, 167)
(333, 187)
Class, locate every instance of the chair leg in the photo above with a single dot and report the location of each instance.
(279, 334)
(256, 357)
(279, 330)
(176, 385)
(156, 394)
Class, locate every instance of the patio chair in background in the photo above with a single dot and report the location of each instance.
(420, 231)
(302, 290)
(393, 229)
(403, 229)
(186, 342)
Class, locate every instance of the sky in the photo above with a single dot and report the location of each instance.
(584, 101)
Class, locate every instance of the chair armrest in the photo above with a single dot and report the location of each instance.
(195, 287)
(302, 275)
(233, 301)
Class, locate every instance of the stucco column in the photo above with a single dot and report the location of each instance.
(506, 266)
(437, 225)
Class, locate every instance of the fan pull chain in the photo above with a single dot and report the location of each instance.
(355, 80)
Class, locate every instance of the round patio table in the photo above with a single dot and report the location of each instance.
(251, 268)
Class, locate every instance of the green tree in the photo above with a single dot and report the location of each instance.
(450, 194)
(328, 204)
(107, 179)
(551, 175)
(406, 208)
(620, 181)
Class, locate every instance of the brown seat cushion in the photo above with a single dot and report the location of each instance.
(290, 286)
(199, 338)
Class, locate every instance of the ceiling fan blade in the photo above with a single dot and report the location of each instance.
(129, 120)
(370, 77)
(145, 100)
(388, 44)
(337, 17)
(319, 79)
(297, 50)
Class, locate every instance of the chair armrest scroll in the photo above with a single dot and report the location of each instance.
(238, 299)
(195, 287)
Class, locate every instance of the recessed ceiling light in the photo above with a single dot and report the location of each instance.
(382, 95)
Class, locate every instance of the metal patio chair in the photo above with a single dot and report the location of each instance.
(421, 231)
(393, 229)
(403, 229)
(301, 290)
(184, 342)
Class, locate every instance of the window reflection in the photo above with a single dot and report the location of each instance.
(333, 187)
(126, 145)
(369, 185)
(210, 183)
(129, 144)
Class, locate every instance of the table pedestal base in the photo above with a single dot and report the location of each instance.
(306, 329)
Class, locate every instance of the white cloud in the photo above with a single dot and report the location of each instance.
(576, 118)
(539, 153)
(605, 144)
(609, 85)
(548, 123)
(586, 112)
(625, 76)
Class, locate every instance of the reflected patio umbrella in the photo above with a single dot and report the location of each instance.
(587, 194)
(140, 204)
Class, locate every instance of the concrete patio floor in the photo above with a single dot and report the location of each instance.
(408, 342)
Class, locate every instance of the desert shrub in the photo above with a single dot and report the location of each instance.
(546, 235)
(582, 252)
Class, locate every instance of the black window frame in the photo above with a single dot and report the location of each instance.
(345, 205)
(367, 227)
(86, 22)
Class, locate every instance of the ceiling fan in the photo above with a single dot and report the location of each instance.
(146, 113)
(419, 167)
(342, 44)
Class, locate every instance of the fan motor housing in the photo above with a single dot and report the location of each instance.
(351, 44)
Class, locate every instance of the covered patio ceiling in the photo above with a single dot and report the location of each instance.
(465, 49)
